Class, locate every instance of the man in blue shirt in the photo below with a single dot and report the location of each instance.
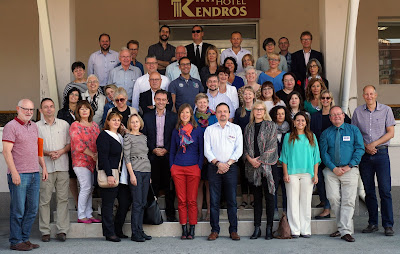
(185, 88)
(341, 147)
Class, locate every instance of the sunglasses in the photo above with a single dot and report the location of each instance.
(120, 100)
(325, 98)
(196, 31)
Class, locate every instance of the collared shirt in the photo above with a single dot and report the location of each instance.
(160, 123)
(220, 97)
(195, 47)
(142, 84)
(351, 146)
(161, 54)
(25, 149)
(55, 137)
(306, 56)
(262, 63)
(125, 78)
(173, 72)
(100, 101)
(238, 57)
(185, 90)
(137, 64)
(232, 94)
(101, 65)
(373, 124)
(288, 58)
(223, 144)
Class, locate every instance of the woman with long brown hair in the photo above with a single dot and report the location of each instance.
(269, 97)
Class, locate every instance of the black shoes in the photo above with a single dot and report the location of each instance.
(370, 229)
(319, 217)
(190, 235)
(184, 232)
(268, 234)
(389, 231)
(171, 219)
(113, 238)
(122, 236)
(257, 233)
(146, 237)
(138, 238)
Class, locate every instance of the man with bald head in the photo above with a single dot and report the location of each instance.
(146, 99)
(142, 84)
(173, 72)
(125, 75)
(23, 156)
(376, 123)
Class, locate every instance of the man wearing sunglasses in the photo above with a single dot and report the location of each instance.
(196, 51)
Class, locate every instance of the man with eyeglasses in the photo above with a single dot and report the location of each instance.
(236, 51)
(103, 61)
(125, 75)
(283, 44)
(185, 88)
(376, 123)
(215, 97)
(22, 153)
(196, 51)
(142, 84)
(341, 147)
(146, 99)
(173, 70)
(164, 51)
(133, 46)
(300, 58)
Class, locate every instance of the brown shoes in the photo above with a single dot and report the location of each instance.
(45, 238)
(61, 237)
(234, 236)
(21, 247)
(34, 246)
(348, 238)
(335, 234)
(213, 236)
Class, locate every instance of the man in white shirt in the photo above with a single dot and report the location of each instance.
(196, 51)
(173, 72)
(142, 84)
(223, 146)
(215, 97)
(236, 51)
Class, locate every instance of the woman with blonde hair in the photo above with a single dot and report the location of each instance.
(251, 78)
(273, 74)
(212, 64)
(261, 153)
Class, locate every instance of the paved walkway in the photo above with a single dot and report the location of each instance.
(365, 243)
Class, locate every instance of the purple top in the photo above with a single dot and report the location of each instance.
(160, 122)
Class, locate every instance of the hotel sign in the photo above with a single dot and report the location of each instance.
(208, 9)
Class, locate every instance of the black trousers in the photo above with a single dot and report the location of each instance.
(124, 202)
(269, 203)
(162, 180)
(246, 187)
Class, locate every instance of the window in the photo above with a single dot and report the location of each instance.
(389, 52)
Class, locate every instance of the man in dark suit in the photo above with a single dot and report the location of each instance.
(158, 127)
(196, 51)
(300, 58)
(146, 99)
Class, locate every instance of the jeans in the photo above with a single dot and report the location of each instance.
(321, 187)
(378, 164)
(24, 203)
(229, 182)
(139, 196)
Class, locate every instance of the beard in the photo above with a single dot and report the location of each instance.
(105, 49)
(162, 39)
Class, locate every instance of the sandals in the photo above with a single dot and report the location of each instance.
(243, 205)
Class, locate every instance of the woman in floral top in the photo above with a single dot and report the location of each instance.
(83, 134)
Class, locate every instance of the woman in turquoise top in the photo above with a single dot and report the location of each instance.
(273, 74)
(300, 159)
(313, 92)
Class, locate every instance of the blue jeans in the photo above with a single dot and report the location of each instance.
(229, 181)
(378, 164)
(139, 198)
(24, 205)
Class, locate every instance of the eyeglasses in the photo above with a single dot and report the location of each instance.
(120, 100)
(273, 59)
(133, 49)
(93, 82)
(154, 79)
(306, 39)
(283, 43)
(270, 45)
(267, 88)
(27, 109)
(184, 64)
(288, 80)
(334, 115)
(259, 109)
(151, 63)
(314, 66)
(325, 98)
(196, 31)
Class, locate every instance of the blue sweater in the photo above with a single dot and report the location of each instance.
(194, 152)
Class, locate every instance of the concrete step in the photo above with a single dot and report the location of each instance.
(173, 229)
(243, 214)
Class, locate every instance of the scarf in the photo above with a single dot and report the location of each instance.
(184, 136)
(94, 102)
(203, 117)
(284, 128)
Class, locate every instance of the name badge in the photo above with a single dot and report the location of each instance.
(346, 138)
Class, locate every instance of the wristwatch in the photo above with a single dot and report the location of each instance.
(229, 163)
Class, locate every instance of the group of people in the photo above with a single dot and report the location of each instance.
(185, 129)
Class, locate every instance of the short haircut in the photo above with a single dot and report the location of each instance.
(236, 32)
(78, 64)
(200, 96)
(45, 99)
(365, 87)
(234, 62)
(161, 91)
(181, 46)
(92, 76)
(123, 49)
(149, 56)
(249, 56)
(104, 34)
(212, 76)
(83, 103)
(333, 108)
(185, 57)
(120, 91)
(283, 37)
(66, 98)
(289, 74)
(140, 120)
(266, 41)
(110, 116)
(201, 28)
(330, 95)
(169, 29)
(306, 33)
(223, 69)
(248, 68)
(132, 42)
(112, 86)
(222, 104)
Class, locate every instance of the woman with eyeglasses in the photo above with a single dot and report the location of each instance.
(290, 84)
(269, 97)
(273, 74)
(300, 159)
(263, 62)
(212, 64)
(320, 122)
(96, 100)
(261, 153)
(313, 93)
(232, 66)
(314, 70)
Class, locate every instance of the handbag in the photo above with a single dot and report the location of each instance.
(102, 177)
(152, 213)
(283, 231)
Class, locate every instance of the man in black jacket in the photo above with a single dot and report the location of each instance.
(146, 99)
(196, 51)
(158, 127)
